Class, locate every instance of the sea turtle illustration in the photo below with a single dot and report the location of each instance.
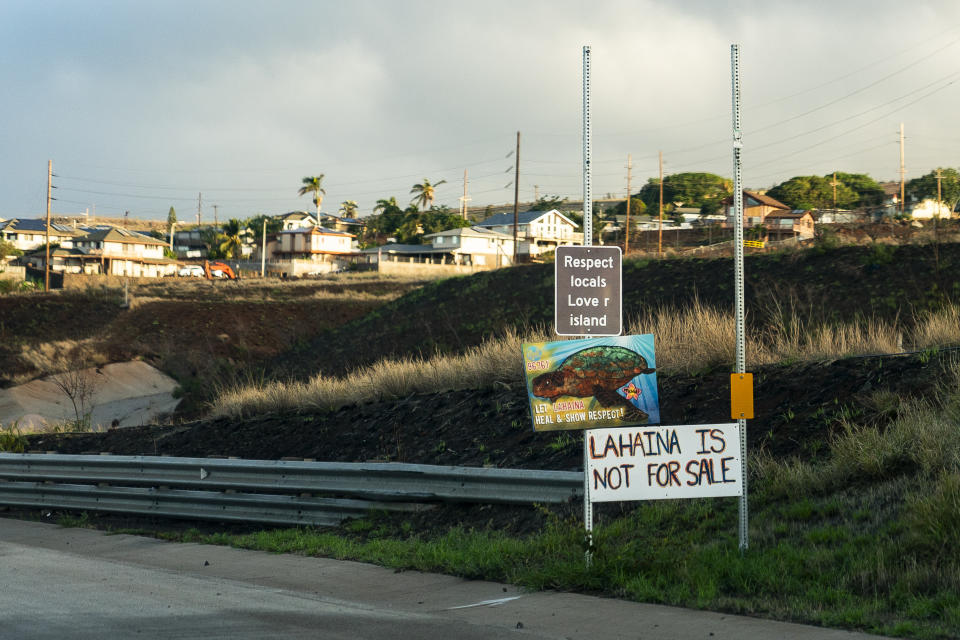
(595, 371)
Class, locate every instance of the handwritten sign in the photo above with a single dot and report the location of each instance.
(654, 463)
(590, 383)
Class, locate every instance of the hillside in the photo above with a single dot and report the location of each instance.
(818, 286)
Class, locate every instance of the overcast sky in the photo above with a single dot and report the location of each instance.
(141, 106)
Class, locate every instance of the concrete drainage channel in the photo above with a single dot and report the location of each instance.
(268, 491)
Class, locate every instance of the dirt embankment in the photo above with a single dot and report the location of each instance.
(798, 406)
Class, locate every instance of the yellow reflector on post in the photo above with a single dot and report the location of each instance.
(741, 396)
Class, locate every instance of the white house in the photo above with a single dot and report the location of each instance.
(543, 231)
(297, 220)
(110, 251)
(28, 234)
(329, 250)
(476, 245)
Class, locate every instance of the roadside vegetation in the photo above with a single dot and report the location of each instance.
(865, 537)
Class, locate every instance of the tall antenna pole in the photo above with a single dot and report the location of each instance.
(46, 263)
(738, 278)
(626, 241)
(660, 234)
(903, 170)
(516, 202)
(199, 204)
(587, 195)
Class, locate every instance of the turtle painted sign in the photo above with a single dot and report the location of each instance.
(591, 383)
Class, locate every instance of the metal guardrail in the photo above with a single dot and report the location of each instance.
(273, 491)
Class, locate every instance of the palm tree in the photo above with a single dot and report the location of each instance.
(386, 205)
(424, 193)
(348, 208)
(230, 244)
(312, 184)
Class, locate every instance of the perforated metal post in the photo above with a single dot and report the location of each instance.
(587, 241)
(587, 194)
(738, 278)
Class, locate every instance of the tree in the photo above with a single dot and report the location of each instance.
(229, 242)
(685, 190)
(424, 193)
(171, 218)
(255, 224)
(7, 249)
(314, 185)
(925, 187)
(577, 218)
(348, 209)
(869, 192)
(80, 385)
(637, 207)
(813, 192)
(546, 203)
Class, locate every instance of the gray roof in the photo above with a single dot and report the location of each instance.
(35, 224)
(406, 248)
(470, 231)
(116, 234)
(320, 230)
(525, 217)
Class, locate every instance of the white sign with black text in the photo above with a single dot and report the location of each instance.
(659, 462)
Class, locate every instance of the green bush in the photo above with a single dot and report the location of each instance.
(11, 440)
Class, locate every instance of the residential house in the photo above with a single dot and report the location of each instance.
(779, 225)
(191, 243)
(542, 231)
(121, 252)
(756, 208)
(328, 249)
(28, 234)
(470, 246)
(297, 220)
(341, 223)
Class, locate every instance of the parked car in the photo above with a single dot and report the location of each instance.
(194, 270)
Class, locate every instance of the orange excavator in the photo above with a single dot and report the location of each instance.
(218, 270)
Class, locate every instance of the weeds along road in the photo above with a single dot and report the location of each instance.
(84, 584)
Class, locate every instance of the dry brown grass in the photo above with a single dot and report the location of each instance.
(58, 356)
(690, 340)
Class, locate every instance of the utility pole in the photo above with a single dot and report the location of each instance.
(833, 184)
(516, 202)
(465, 198)
(903, 170)
(939, 194)
(199, 204)
(46, 263)
(660, 234)
(626, 241)
(263, 251)
(215, 223)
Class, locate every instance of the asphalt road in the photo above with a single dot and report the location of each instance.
(82, 584)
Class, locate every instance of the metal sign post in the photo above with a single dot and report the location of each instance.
(587, 241)
(738, 278)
